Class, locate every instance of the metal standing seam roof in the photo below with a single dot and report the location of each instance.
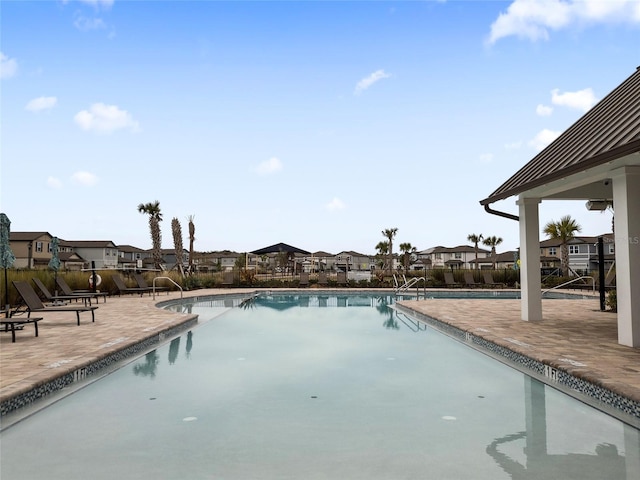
(609, 130)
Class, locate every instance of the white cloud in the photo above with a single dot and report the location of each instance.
(103, 118)
(486, 157)
(84, 178)
(532, 19)
(544, 110)
(366, 82)
(335, 204)
(544, 138)
(8, 66)
(269, 166)
(54, 182)
(582, 99)
(99, 3)
(41, 103)
(513, 146)
(85, 24)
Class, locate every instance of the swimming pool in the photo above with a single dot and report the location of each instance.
(317, 387)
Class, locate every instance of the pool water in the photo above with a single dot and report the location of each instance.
(317, 387)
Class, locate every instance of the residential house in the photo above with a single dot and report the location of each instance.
(131, 258)
(583, 253)
(31, 249)
(101, 254)
(460, 257)
(350, 260)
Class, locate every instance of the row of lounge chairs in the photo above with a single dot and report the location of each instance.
(470, 281)
(74, 301)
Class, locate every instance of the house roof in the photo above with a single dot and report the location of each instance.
(88, 243)
(607, 132)
(27, 236)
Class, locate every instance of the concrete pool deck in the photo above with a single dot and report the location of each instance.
(575, 337)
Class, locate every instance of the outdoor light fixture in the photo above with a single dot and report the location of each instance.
(598, 205)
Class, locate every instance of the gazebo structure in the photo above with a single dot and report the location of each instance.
(597, 159)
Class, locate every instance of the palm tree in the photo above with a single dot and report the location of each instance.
(155, 217)
(176, 229)
(390, 233)
(407, 249)
(476, 239)
(564, 230)
(383, 249)
(493, 242)
(192, 238)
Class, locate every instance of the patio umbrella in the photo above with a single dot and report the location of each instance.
(54, 263)
(6, 255)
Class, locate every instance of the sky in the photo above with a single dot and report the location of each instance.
(314, 123)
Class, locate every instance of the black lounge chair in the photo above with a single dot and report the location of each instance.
(342, 279)
(66, 290)
(58, 299)
(11, 322)
(142, 283)
(34, 304)
(304, 280)
(227, 279)
(122, 288)
(489, 282)
(450, 281)
(322, 279)
(469, 281)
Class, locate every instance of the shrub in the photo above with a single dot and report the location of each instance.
(612, 300)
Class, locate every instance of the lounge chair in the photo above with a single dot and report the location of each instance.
(304, 279)
(67, 290)
(342, 279)
(142, 283)
(122, 288)
(469, 281)
(34, 304)
(450, 281)
(59, 299)
(488, 280)
(322, 279)
(228, 279)
(11, 322)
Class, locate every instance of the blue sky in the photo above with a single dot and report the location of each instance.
(317, 124)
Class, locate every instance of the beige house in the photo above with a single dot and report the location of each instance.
(31, 249)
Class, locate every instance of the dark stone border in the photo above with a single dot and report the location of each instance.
(55, 385)
(597, 396)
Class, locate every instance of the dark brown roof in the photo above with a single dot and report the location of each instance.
(610, 130)
(26, 236)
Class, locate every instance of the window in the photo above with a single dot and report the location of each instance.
(457, 255)
(438, 256)
(38, 246)
(574, 249)
(612, 248)
(552, 251)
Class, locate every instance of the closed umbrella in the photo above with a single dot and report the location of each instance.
(54, 263)
(6, 255)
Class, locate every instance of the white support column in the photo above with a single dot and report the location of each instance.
(626, 204)
(530, 290)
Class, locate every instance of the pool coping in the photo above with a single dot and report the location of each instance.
(607, 400)
(30, 395)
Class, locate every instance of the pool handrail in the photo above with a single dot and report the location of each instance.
(165, 278)
(593, 283)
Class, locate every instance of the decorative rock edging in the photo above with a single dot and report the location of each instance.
(93, 368)
(625, 409)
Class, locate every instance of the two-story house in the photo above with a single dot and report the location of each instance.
(460, 257)
(101, 254)
(583, 253)
(31, 249)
